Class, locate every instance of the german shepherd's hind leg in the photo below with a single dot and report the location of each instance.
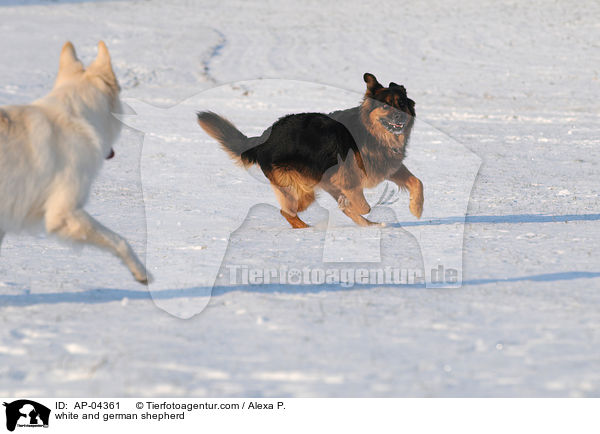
(79, 226)
(290, 206)
(405, 179)
(294, 220)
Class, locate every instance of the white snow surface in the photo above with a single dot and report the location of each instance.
(515, 83)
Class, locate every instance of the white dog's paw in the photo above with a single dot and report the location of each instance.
(144, 277)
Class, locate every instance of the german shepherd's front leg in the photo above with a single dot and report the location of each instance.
(345, 205)
(407, 180)
(347, 200)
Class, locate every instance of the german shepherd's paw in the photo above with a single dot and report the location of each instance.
(343, 202)
(361, 221)
(294, 220)
(347, 205)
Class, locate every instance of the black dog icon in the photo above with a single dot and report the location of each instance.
(26, 408)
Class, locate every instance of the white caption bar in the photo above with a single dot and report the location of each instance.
(277, 415)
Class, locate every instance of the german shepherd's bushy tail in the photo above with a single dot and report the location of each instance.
(240, 148)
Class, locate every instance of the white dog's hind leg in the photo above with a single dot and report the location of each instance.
(1, 236)
(80, 226)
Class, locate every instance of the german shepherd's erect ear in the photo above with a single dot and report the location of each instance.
(372, 84)
(399, 86)
(69, 65)
(402, 89)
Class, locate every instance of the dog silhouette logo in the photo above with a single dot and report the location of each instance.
(26, 413)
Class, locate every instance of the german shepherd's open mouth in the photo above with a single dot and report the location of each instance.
(393, 126)
(394, 120)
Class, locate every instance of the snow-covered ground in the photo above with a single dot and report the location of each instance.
(515, 84)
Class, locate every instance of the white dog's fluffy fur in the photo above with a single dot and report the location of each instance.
(51, 151)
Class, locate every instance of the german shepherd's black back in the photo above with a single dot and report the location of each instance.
(342, 152)
(309, 143)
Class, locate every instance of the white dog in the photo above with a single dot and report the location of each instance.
(51, 151)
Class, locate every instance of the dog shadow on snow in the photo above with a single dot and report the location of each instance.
(13, 3)
(497, 219)
(107, 295)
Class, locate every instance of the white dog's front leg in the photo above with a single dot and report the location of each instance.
(80, 226)
(1, 236)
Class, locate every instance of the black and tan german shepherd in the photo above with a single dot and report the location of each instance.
(341, 152)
